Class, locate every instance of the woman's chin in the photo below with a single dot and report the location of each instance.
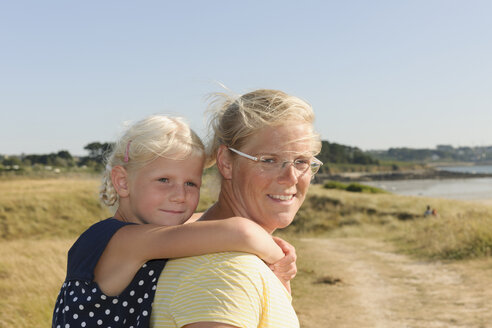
(281, 222)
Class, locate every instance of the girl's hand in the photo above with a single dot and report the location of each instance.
(285, 269)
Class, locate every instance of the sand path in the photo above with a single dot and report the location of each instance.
(354, 282)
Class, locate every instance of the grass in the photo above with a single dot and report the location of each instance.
(40, 219)
(461, 230)
(353, 187)
(44, 208)
(31, 274)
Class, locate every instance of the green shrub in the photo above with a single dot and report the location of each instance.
(335, 185)
(357, 187)
(353, 187)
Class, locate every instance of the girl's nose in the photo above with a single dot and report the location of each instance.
(178, 194)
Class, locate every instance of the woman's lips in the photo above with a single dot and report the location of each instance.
(281, 197)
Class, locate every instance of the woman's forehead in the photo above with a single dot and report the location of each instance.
(293, 138)
(285, 153)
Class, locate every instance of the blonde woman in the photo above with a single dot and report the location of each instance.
(264, 145)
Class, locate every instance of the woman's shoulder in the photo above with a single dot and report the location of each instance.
(223, 262)
(231, 271)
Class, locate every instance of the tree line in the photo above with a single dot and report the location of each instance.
(440, 153)
(340, 154)
(330, 153)
(61, 159)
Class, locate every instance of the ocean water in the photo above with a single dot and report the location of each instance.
(463, 189)
(468, 169)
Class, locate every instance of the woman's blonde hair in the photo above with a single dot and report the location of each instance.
(234, 119)
(153, 137)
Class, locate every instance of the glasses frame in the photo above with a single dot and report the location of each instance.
(256, 159)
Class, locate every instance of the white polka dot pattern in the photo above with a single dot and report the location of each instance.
(131, 308)
(81, 303)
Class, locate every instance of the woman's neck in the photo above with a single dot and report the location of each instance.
(224, 208)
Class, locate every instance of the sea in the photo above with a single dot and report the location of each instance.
(462, 189)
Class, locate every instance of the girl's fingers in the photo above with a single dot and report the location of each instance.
(285, 246)
(286, 275)
(285, 268)
(286, 271)
(286, 261)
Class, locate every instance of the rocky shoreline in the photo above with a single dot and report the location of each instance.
(398, 175)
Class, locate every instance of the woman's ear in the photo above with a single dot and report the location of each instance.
(224, 162)
(119, 177)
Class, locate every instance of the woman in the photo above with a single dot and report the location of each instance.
(264, 145)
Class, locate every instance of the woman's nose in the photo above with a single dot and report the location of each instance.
(288, 174)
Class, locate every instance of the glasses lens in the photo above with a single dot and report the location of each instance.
(301, 165)
(315, 165)
(269, 163)
(272, 163)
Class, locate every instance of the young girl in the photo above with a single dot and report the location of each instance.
(153, 176)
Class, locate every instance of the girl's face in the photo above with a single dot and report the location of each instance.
(166, 191)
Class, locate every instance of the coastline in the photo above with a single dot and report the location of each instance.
(427, 174)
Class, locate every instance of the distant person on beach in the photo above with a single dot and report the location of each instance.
(264, 145)
(428, 211)
(153, 177)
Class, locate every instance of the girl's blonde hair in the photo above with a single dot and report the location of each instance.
(234, 119)
(153, 137)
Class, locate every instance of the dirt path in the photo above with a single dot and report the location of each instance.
(352, 282)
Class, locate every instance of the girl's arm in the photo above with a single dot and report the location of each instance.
(133, 245)
(286, 268)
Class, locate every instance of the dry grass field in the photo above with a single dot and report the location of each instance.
(363, 282)
(460, 231)
(352, 247)
(39, 220)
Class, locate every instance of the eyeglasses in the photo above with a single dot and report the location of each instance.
(272, 163)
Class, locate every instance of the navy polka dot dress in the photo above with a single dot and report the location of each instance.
(81, 303)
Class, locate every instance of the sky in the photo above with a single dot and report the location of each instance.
(379, 73)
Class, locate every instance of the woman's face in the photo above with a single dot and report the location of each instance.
(272, 198)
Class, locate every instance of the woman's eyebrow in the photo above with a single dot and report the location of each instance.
(284, 154)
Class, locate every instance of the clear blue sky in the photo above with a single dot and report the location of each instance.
(379, 74)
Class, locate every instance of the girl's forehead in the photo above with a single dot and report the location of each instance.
(160, 162)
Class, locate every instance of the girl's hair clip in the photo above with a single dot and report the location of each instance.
(127, 151)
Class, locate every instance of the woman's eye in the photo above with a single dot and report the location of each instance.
(302, 161)
(163, 179)
(268, 160)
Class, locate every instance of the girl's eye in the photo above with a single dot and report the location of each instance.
(191, 184)
(164, 180)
